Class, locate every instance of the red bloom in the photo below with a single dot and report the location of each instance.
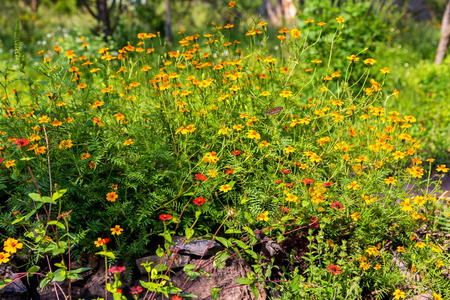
(334, 269)
(285, 171)
(337, 205)
(21, 142)
(308, 181)
(176, 297)
(285, 209)
(165, 217)
(230, 171)
(236, 152)
(314, 222)
(327, 183)
(200, 177)
(116, 270)
(1, 160)
(135, 290)
(278, 181)
(288, 185)
(199, 201)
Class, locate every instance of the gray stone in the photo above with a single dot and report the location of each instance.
(205, 248)
(175, 261)
(225, 279)
(15, 290)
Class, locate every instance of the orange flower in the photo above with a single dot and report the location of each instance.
(116, 230)
(112, 196)
(128, 142)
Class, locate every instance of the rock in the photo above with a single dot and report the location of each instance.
(175, 261)
(225, 279)
(205, 248)
(15, 290)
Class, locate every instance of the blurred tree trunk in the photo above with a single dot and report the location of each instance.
(104, 15)
(445, 36)
(33, 4)
(168, 27)
(282, 11)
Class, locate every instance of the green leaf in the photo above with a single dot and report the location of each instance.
(44, 282)
(223, 241)
(27, 158)
(107, 254)
(17, 220)
(240, 244)
(254, 290)
(33, 269)
(160, 252)
(58, 194)
(59, 224)
(243, 280)
(38, 198)
(189, 233)
(231, 231)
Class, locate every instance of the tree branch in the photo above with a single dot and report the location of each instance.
(90, 10)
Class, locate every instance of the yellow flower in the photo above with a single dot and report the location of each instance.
(10, 163)
(252, 134)
(385, 70)
(442, 168)
(291, 198)
(264, 144)
(354, 186)
(225, 188)
(390, 181)
(263, 216)
(11, 245)
(340, 20)
(85, 156)
(420, 244)
(116, 230)
(65, 144)
(212, 173)
(399, 294)
(128, 142)
(4, 257)
(370, 61)
(289, 149)
(286, 94)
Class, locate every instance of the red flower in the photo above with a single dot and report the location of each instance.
(230, 171)
(200, 177)
(314, 222)
(285, 171)
(135, 290)
(308, 181)
(285, 209)
(165, 217)
(337, 205)
(1, 160)
(327, 183)
(116, 270)
(21, 142)
(288, 185)
(278, 181)
(176, 297)
(236, 152)
(199, 201)
(334, 269)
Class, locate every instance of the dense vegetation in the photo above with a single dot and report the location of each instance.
(312, 130)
